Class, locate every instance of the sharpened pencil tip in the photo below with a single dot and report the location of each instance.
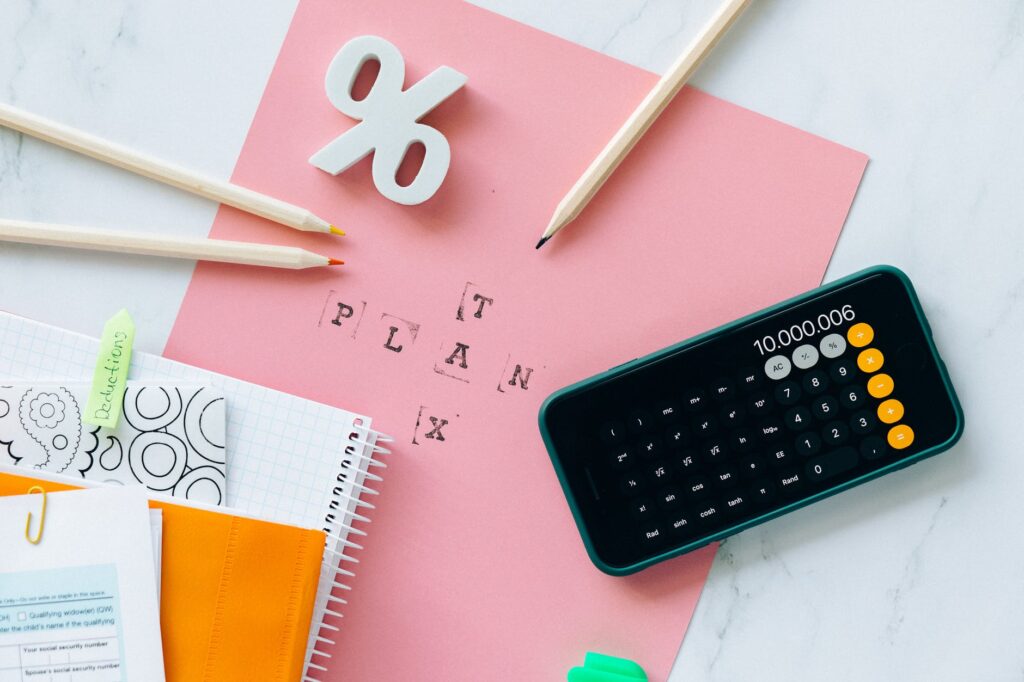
(542, 241)
(337, 231)
(335, 261)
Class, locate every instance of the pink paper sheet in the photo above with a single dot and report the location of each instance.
(473, 569)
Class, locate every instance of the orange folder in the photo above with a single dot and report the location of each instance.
(236, 595)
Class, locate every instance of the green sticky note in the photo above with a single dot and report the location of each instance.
(111, 376)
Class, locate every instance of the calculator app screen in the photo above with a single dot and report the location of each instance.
(752, 418)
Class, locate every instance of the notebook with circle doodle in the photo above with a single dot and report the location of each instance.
(197, 436)
(170, 438)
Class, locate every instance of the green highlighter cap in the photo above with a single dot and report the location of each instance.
(601, 668)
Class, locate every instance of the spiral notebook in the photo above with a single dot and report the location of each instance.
(290, 460)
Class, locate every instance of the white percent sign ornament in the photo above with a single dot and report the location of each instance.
(388, 119)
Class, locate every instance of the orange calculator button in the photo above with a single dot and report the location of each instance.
(880, 385)
(890, 411)
(870, 360)
(860, 334)
(901, 436)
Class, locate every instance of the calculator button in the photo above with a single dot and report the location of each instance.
(788, 393)
(681, 523)
(726, 477)
(639, 421)
(825, 407)
(805, 356)
(863, 422)
(641, 509)
(748, 379)
(832, 346)
(778, 367)
(611, 431)
(752, 466)
(693, 399)
(760, 403)
(670, 498)
(781, 454)
(732, 415)
(860, 334)
(890, 411)
(676, 437)
(853, 397)
(621, 459)
(790, 482)
(696, 487)
(742, 440)
(797, 418)
(900, 436)
(651, 536)
(649, 447)
(762, 491)
(668, 411)
(808, 444)
(770, 430)
(658, 472)
(687, 461)
(872, 447)
(815, 382)
(631, 485)
(736, 503)
(843, 370)
(705, 426)
(835, 434)
(870, 360)
(708, 514)
(831, 464)
(722, 389)
(714, 450)
(880, 385)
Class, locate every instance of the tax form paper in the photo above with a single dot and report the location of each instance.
(81, 605)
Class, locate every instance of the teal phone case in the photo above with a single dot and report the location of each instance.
(718, 333)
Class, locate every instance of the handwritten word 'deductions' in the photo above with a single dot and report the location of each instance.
(110, 378)
(455, 358)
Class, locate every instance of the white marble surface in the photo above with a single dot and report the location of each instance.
(919, 575)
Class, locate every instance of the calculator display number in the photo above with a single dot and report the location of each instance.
(806, 329)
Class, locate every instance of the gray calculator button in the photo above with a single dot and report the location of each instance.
(833, 345)
(777, 367)
(805, 356)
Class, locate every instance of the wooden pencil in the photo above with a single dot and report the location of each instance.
(168, 173)
(265, 255)
(642, 117)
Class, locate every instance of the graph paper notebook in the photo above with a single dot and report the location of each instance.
(290, 460)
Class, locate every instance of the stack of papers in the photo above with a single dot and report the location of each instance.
(82, 604)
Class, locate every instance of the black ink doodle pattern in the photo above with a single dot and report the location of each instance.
(205, 433)
(171, 438)
(52, 419)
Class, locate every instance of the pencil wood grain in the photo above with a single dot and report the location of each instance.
(265, 255)
(168, 173)
(642, 117)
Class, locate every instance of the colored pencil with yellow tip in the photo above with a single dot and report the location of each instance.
(168, 173)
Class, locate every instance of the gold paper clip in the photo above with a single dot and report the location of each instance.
(42, 518)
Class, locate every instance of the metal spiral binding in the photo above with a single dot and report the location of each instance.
(346, 499)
